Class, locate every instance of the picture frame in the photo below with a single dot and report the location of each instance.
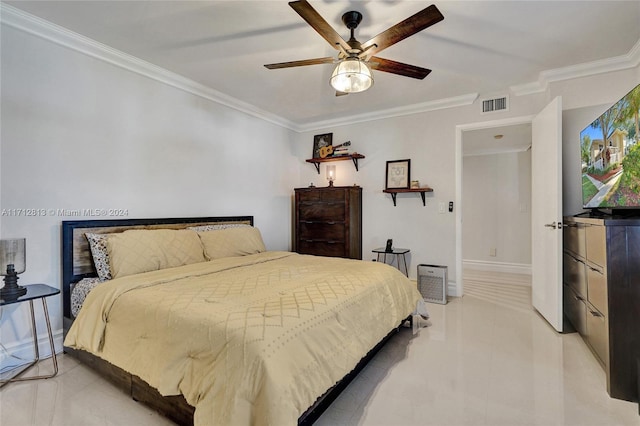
(321, 141)
(398, 175)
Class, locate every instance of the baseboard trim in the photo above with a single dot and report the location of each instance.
(504, 267)
(23, 349)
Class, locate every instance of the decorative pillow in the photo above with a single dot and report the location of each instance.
(100, 254)
(80, 291)
(142, 250)
(204, 228)
(231, 242)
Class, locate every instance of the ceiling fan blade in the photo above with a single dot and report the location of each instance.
(313, 18)
(316, 61)
(338, 93)
(414, 24)
(406, 70)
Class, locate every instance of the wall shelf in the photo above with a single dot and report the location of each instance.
(394, 193)
(316, 161)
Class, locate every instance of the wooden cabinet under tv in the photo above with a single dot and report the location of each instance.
(601, 275)
(328, 221)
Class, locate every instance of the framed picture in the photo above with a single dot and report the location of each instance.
(321, 141)
(398, 174)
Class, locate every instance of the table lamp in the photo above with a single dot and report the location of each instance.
(331, 174)
(12, 263)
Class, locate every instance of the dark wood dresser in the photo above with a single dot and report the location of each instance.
(602, 294)
(328, 221)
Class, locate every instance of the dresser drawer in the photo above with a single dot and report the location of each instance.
(597, 289)
(319, 195)
(322, 248)
(321, 211)
(597, 333)
(575, 308)
(575, 274)
(322, 230)
(596, 238)
(574, 238)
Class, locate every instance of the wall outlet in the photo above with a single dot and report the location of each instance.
(442, 207)
(492, 252)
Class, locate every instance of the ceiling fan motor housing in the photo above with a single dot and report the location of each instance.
(352, 19)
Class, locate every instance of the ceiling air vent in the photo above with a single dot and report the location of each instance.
(495, 105)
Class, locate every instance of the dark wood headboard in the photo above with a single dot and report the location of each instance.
(77, 262)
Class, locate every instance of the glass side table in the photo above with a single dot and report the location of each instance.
(399, 253)
(34, 291)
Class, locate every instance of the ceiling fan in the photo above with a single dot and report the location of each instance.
(352, 73)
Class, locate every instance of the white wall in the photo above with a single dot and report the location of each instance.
(79, 133)
(497, 215)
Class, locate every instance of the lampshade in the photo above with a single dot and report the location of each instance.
(13, 252)
(351, 76)
(12, 262)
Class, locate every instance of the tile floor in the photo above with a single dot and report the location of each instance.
(484, 359)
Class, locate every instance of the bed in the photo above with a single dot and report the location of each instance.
(229, 334)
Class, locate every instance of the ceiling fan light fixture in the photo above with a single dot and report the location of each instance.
(351, 76)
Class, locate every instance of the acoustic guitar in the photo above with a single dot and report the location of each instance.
(325, 151)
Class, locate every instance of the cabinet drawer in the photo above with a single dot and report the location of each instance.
(575, 274)
(597, 289)
(321, 211)
(574, 238)
(322, 248)
(322, 230)
(596, 238)
(321, 195)
(598, 334)
(575, 309)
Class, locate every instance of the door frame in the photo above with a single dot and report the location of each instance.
(460, 128)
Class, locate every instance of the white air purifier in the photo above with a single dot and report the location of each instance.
(432, 283)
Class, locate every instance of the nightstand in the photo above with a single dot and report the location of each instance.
(34, 291)
(397, 252)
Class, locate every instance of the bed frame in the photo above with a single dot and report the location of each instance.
(77, 263)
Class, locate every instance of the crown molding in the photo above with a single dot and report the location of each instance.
(28, 23)
(457, 101)
(617, 63)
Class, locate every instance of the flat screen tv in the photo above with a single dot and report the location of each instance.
(610, 152)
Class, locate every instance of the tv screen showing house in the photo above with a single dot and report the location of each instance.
(610, 148)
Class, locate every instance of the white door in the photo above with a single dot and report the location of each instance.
(546, 213)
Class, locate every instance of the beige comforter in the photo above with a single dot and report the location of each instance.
(247, 340)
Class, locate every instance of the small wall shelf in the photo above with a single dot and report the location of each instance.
(394, 193)
(316, 161)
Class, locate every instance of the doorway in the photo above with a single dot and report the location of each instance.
(478, 140)
(546, 207)
(496, 220)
